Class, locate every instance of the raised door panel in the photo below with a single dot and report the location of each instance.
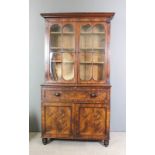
(57, 120)
(91, 121)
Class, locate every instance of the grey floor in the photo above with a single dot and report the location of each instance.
(61, 147)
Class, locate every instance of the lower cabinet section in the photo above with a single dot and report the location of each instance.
(74, 121)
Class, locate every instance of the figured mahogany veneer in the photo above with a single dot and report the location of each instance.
(75, 98)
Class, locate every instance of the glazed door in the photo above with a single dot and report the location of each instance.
(91, 121)
(62, 43)
(57, 120)
(92, 52)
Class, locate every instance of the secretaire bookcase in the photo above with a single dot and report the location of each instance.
(75, 97)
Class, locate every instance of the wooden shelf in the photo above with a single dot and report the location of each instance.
(56, 48)
(68, 48)
(61, 48)
(91, 62)
(55, 32)
(63, 61)
(98, 32)
(68, 33)
(98, 48)
(62, 33)
(92, 33)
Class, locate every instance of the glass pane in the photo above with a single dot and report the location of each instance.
(68, 37)
(86, 28)
(55, 71)
(56, 57)
(98, 56)
(86, 57)
(56, 40)
(98, 41)
(86, 41)
(68, 41)
(98, 37)
(85, 71)
(55, 28)
(62, 56)
(98, 28)
(68, 57)
(55, 36)
(86, 37)
(92, 55)
(98, 72)
(68, 28)
(68, 71)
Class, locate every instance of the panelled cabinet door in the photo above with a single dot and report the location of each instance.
(57, 120)
(92, 52)
(62, 52)
(91, 120)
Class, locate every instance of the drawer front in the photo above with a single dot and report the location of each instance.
(96, 96)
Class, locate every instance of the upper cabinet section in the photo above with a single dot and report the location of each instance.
(77, 48)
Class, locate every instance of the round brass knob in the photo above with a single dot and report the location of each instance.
(57, 94)
(93, 95)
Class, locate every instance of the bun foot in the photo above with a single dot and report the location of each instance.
(106, 143)
(44, 140)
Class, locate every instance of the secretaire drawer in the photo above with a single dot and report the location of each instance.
(74, 95)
